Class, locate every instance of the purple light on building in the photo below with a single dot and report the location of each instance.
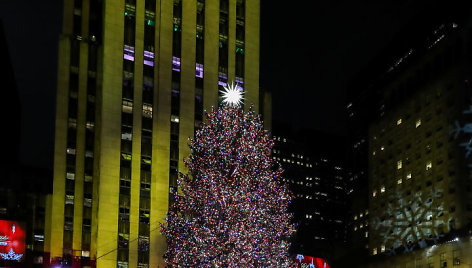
(148, 63)
(148, 58)
(199, 70)
(222, 78)
(128, 57)
(176, 64)
(148, 54)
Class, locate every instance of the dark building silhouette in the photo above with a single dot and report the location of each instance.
(10, 111)
(314, 170)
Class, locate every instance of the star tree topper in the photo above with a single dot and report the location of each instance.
(232, 95)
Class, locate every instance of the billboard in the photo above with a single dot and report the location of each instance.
(12, 240)
(311, 262)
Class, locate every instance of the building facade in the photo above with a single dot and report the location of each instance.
(134, 77)
(318, 182)
(419, 184)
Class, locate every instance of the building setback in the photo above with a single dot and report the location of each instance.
(134, 77)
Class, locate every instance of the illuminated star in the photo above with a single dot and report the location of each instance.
(232, 95)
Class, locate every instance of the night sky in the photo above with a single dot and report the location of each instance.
(308, 55)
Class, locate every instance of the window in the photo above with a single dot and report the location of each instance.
(456, 258)
(382, 189)
(399, 121)
(408, 175)
(382, 248)
(399, 181)
(399, 164)
(418, 123)
(429, 165)
(374, 193)
(374, 251)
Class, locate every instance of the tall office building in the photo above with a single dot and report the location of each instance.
(134, 77)
(419, 189)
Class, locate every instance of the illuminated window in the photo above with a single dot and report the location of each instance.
(382, 148)
(373, 153)
(418, 122)
(399, 121)
(374, 251)
(366, 212)
(382, 190)
(174, 119)
(366, 234)
(408, 175)
(382, 248)
(361, 215)
(399, 164)
(355, 217)
(127, 106)
(147, 111)
(374, 193)
(355, 228)
(361, 226)
(429, 165)
(69, 199)
(399, 181)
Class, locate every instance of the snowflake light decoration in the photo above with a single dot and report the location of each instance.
(409, 221)
(232, 95)
(466, 129)
(11, 255)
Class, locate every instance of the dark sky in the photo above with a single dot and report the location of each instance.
(308, 53)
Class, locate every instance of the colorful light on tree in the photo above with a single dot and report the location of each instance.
(231, 209)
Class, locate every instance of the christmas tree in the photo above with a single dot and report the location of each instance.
(231, 209)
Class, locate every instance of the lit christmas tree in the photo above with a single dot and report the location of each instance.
(231, 209)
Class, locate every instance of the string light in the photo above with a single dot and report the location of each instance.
(231, 209)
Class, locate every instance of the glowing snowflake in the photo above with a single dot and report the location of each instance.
(410, 220)
(11, 255)
(232, 95)
(466, 129)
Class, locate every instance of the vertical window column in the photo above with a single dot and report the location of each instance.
(126, 133)
(71, 147)
(146, 134)
(223, 46)
(89, 151)
(175, 98)
(240, 37)
(199, 61)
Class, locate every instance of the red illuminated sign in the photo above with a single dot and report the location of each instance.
(311, 262)
(12, 240)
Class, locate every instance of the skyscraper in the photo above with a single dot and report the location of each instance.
(314, 171)
(134, 77)
(418, 175)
